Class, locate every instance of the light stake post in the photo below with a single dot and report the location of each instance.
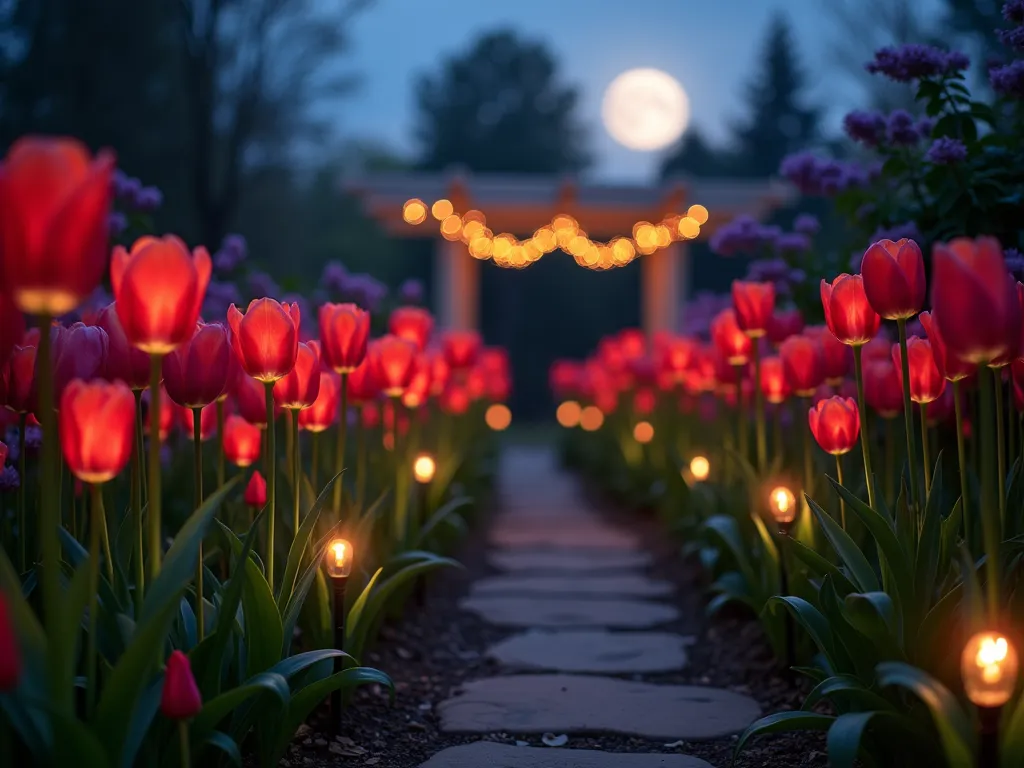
(988, 666)
(782, 503)
(339, 567)
(423, 470)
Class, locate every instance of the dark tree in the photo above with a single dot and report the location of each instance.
(695, 157)
(500, 107)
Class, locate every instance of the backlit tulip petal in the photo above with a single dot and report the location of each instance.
(730, 340)
(18, 378)
(241, 441)
(882, 388)
(926, 379)
(848, 314)
(324, 410)
(265, 338)
(952, 367)
(802, 364)
(894, 279)
(783, 324)
(124, 361)
(363, 385)
(414, 324)
(255, 491)
(774, 384)
(301, 385)
(344, 331)
(835, 424)
(97, 429)
(461, 348)
(196, 373)
(392, 359)
(753, 304)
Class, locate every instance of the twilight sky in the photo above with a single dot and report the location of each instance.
(711, 46)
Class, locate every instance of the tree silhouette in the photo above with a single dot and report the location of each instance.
(500, 107)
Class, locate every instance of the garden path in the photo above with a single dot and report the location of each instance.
(575, 588)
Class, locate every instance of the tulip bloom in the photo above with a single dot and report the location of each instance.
(324, 410)
(848, 314)
(196, 373)
(300, 386)
(974, 300)
(17, 376)
(124, 361)
(344, 331)
(241, 441)
(926, 379)
(97, 423)
(835, 356)
(179, 699)
(369, 415)
(774, 384)
(78, 352)
(250, 396)
(674, 355)
(363, 385)
(835, 424)
(159, 287)
(419, 385)
(461, 348)
(753, 304)
(265, 338)
(894, 279)
(440, 372)
(10, 654)
(455, 400)
(883, 389)
(414, 324)
(207, 421)
(783, 324)
(802, 364)
(393, 359)
(952, 367)
(3, 453)
(12, 326)
(54, 230)
(733, 344)
(255, 491)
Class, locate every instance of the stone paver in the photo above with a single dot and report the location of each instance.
(574, 613)
(595, 651)
(577, 704)
(567, 560)
(615, 585)
(562, 534)
(487, 754)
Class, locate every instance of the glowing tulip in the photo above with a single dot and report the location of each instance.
(12, 326)
(207, 421)
(17, 377)
(848, 314)
(835, 424)
(733, 344)
(952, 367)
(440, 372)
(419, 385)
(413, 324)
(836, 360)
(344, 331)
(324, 410)
(753, 304)
(461, 348)
(974, 300)
(159, 287)
(265, 338)
(455, 400)
(774, 383)
(783, 324)
(802, 364)
(632, 343)
(241, 441)
(894, 279)
(369, 415)
(392, 359)
(476, 383)
(882, 388)
(250, 397)
(97, 429)
(196, 373)
(674, 355)
(179, 699)
(124, 362)
(299, 387)
(255, 491)
(926, 380)
(54, 230)
(10, 654)
(363, 386)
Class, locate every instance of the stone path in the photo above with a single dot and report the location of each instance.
(574, 588)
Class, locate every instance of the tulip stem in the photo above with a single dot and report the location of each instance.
(221, 468)
(890, 461)
(865, 439)
(271, 481)
(400, 472)
(839, 479)
(341, 436)
(926, 450)
(137, 472)
(997, 382)
(762, 451)
(186, 756)
(908, 414)
(22, 492)
(360, 462)
(741, 417)
(296, 473)
(314, 459)
(95, 524)
(805, 404)
(155, 549)
(197, 442)
(991, 527)
(961, 458)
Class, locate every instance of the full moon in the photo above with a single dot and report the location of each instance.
(645, 109)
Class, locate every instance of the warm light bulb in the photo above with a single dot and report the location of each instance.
(988, 666)
(498, 417)
(338, 559)
(423, 468)
(568, 414)
(414, 211)
(700, 468)
(643, 432)
(591, 418)
(441, 209)
(698, 213)
(783, 504)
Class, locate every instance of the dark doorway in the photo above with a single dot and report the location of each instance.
(553, 308)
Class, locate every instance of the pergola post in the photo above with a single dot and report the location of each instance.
(456, 286)
(661, 278)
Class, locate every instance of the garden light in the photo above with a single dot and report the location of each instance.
(700, 468)
(339, 566)
(591, 418)
(568, 414)
(423, 468)
(988, 666)
(783, 505)
(643, 432)
(498, 417)
(339, 559)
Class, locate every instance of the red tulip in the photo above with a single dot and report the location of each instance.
(894, 278)
(344, 331)
(78, 352)
(644, 401)
(455, 399)
(300, 387)
(882, 388)
(802, 364)
(12, 326)
(392, 359)
(124, 362)
(180, 699)
(494, 360)
(783, 324)
(196, 373)
(674, 355)
(753, 304)
(498, 387)
(241, 441)
(926, 380)
(159, 287)
(726, 376)
(207, 421)
(10, 654)
(166, 413)
(461, 348)
(97, 429)
(847, 312)
(974, 301)
(251, 398)
(17, 376)
(324, 410)
(835, 356)
(419, 385)
(476, 383)
(3, 453)
(54, 213)
(414, 324)
(363, 386)
(440, 372)
(265, 338)
(942, 408)
(952, 367)
(733, 344)
(835, 424)
(879, 348)
(255, 491)
(774, 383)
(632, 343)
(369, 415)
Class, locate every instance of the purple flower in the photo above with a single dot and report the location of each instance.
(924, 127)
(768, 270)
(33, 439)
(232, 252)
(792, 242)
(364, 290)
(11, 439)
(946, 150)
(907, 230)
(806, 224)
(118, 223)
(219, 296)
(1008, 80)
(411, 292)
(914, 61)
(1014, 262)
(126, 189)
(901, 130)
(9, 480)
(1012, 38)
(744, 234)
(149, 199)
(867, 128)
(1013, 12)
(262, 284)
(334, 276)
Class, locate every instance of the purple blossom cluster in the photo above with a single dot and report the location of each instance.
(776, 270)
(915, 61)
(219, 296)
(411, 292)
(232, 253)
(262, 284)
(899, 129)
(131, 196)
(946, 150)
(364, 290)
(1008, 80)
(308, 318)
(1014, 262)
(699, 312)
(9, 480)
(806, 224)
(823, 177)
(895, 232)
(744, 234)
(867, 128)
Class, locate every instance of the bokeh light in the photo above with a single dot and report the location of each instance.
(568, 414)
(498, 417)
(643, 432)
(591, 418)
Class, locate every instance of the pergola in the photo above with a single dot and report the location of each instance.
(519, 204)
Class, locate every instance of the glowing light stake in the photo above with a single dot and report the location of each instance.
(338, 562)
(423, 468)
(700, 468)
(643, 432)
(989, 666)
(783, 506)
(568, 414)
(498, 417)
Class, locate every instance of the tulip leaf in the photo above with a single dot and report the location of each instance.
(447, 513)
(295, 603)
(215, 710)
(1013, 735)
(820, 566)
(929, 543)
(858, 566)
(300, 545)
(770, 557)
(874, 616)
(810, 618)
(973, 601)
(950, 536)
(845, 692)
(727, 531)
(142, 717)
(844, 738)
(225, 744)
(782, 722)
(77, 744)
